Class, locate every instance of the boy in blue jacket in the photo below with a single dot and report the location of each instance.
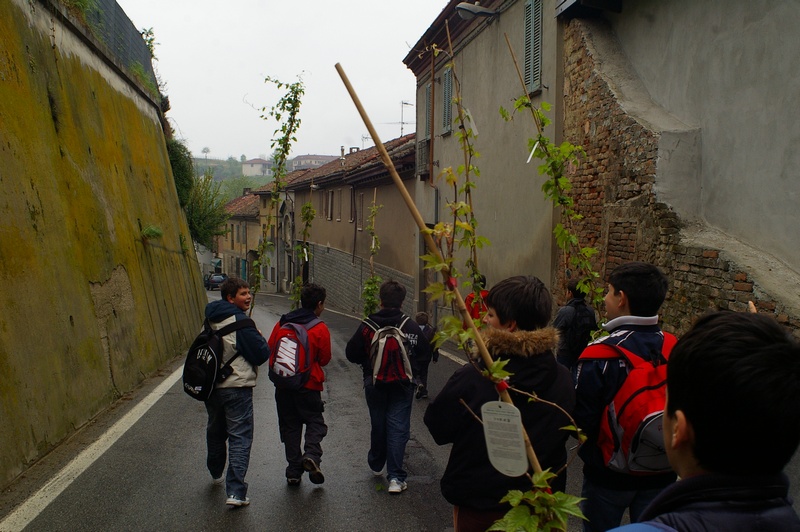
(230, 407)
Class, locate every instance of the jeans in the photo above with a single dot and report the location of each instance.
(295, 409)
(604, 507)
(390, 414)
(230, 419)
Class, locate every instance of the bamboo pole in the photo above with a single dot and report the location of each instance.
(433, 249)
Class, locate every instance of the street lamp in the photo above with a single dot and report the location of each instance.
(469, 11)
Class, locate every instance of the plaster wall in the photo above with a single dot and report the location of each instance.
(90, 307)
(510, 207)
(732, 71)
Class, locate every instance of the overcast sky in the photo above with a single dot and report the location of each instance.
(214, 57)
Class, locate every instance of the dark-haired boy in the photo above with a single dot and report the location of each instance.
(230, 407)
(305, 407)
(389, 403)
(748, 366)
(518, 311)
(575, 321)
(636, 291)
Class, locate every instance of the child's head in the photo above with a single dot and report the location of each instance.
(422, 318)
(522, 299)
(644, 287)
(312, 295)
(231, 286)
(392, 294)
(574, 291)
(734, 378)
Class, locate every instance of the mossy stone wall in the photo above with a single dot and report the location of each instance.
(89, 308)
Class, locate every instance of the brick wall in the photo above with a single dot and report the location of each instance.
(343, 276)
(614, 191)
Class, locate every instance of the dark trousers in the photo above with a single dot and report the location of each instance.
(295, 409)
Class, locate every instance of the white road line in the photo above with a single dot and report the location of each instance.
(36, 503)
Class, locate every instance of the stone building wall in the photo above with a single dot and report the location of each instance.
(615, 190)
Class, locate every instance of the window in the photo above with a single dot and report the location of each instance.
(232, 236)
(447, 100)
(360, 225)
(352, 205)
(533, 45)
(339, 206)
(428, 91)
(329, 206)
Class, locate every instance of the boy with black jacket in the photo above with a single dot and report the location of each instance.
(389, 404)
(731, 424)
(636, 291)
(519, 309)
(230, 407)
(305, 407)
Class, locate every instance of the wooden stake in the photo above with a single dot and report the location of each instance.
(412, 208)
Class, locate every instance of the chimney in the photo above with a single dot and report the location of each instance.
(353, 149)
(246, 191)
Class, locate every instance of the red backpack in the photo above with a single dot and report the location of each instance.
(630, 437)
(290, 361)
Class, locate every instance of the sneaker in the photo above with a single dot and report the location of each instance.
(397, 486)
(314, 473)
(220, 480)
(293, 481)
(236, 502)
(422, 391)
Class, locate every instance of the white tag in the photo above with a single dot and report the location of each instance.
(502, 428)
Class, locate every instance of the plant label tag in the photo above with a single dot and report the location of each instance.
(502, 428)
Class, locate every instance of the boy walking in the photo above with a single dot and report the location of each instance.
(747, 366)
(428, 333)
(636, 291)
(389, 403)
(518, 310)
(230, 407)
(575, 321)
(297, 408)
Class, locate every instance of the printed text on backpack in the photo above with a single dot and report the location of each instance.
(290, 360)
(204, 366)
(389, 353)
(630, 437)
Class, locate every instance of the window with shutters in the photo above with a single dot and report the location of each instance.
(428, 111)
(447, 101)
(360, 225)
(329, 205)
(339, 205)
(533, 45)
(352, 205)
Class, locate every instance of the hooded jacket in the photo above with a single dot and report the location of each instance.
(319, 344)
(469, 479)
(357, 350)
(248, 342)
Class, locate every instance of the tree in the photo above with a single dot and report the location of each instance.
(180, 158)
(206, 151)
(205, 211)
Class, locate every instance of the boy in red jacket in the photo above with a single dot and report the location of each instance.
(305, 406)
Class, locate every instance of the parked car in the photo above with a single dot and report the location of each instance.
(213, 280)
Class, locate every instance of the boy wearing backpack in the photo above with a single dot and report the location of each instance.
(299, 402)
(575, 321)
(731, 425)
(230, 406)
(388, 380)
(429, 333)
(636, 291)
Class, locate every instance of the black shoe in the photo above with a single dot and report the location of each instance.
(314, 473)
(422, 391)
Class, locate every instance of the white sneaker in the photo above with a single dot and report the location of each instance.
(397, 486)
(236, 502)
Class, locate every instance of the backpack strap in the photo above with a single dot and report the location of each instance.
(231, 327)
(602, 351)
(371, 324)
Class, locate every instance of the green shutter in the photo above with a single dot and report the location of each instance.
(428, 111)
(533, 45)
(447, 100)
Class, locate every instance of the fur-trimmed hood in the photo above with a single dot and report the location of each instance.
(519, 343)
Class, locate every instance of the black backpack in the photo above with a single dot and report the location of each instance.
(204, 366)
(577, 335)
